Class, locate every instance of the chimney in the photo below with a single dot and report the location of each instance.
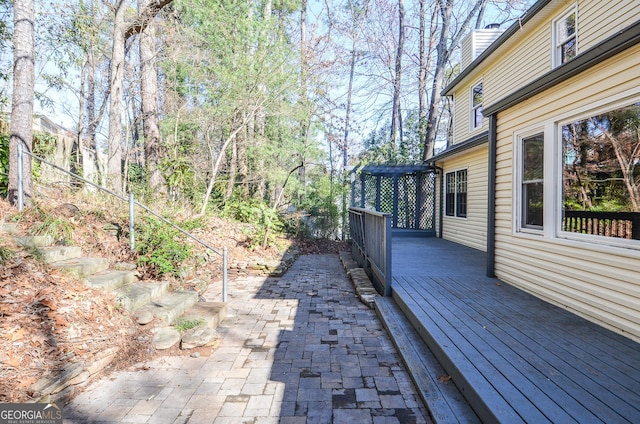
(477, 41)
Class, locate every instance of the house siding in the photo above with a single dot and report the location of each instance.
(472, 230)
(515, 71)
(594, 24)
(596, 281)
(531, 58)
(462, 114)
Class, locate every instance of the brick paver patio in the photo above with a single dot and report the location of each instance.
(297, 349)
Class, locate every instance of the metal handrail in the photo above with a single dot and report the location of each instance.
(131, 202)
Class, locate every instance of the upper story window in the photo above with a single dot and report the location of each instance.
(476, 106)
(565, 31)
(456, 196)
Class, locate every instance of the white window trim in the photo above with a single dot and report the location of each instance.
(518, 137)
(556, 57)
(472, 109)
(553, 180)
(455, 203)
(603, 106)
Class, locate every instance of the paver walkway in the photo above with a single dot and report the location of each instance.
(299, 349)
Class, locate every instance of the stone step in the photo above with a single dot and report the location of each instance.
(210, 314)
(133, 296)
(110, 279)
(82, 266)
(170, 306)
(34, 241)
(8, 228)
(60, 253)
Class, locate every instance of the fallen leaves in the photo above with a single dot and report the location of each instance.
(12, 360)
(42, 315)
(444, 378)
(17, 335)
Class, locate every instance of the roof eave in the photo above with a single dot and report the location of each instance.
(457, 148)
(606, 49)
(501, 40)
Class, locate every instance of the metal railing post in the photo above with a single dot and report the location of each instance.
(224, 274)
(132, 237)
(20, 179)
(132, 204)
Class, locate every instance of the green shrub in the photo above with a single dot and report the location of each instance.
(265, 220)
(6, 254)
(160, 246)
(185, 324)
(58, 229)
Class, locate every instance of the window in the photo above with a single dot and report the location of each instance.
(565, 40)
(532, 181)
(601, 174)
(476, 107)
(456, 195)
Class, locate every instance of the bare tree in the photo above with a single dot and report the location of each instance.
(449, 37)
(424, 65)
(149, 98)
(396, 115)
(122, 30)
(21, 127)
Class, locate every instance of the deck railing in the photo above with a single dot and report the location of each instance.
(132, 203)
(371, 245)
(610, 224)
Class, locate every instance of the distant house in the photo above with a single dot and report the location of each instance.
(543, 172)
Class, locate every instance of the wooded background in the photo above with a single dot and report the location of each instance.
(205, 101)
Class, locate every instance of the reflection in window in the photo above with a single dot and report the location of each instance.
(601, 174)
(532, 181)
(476, 106)
(565, 38)
(456, 195)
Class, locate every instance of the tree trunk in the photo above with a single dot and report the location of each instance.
(396, 117)
(481, 15)
(21, 127)
(242, 158)
(114, 158)
(347, 114)
(215, 165)
(149, 97)
(443, 49)
(424, 65)
(121, 32)
(233, 165)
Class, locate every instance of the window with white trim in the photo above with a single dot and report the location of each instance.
(601, 174)
(565, 31)
(456, 193)
(477, 98)
(532, 182)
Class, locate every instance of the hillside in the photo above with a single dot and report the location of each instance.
(49, 319)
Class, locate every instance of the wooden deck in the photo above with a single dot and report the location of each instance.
(514, 357)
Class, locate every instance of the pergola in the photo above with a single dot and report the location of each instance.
(406, 192)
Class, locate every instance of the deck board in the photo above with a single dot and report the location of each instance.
(509, 375)
(515, 357)
(541, 315)
(547, 370)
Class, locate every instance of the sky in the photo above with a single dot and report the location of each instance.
(371, 108)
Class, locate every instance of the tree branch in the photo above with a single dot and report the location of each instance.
(143, 19)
